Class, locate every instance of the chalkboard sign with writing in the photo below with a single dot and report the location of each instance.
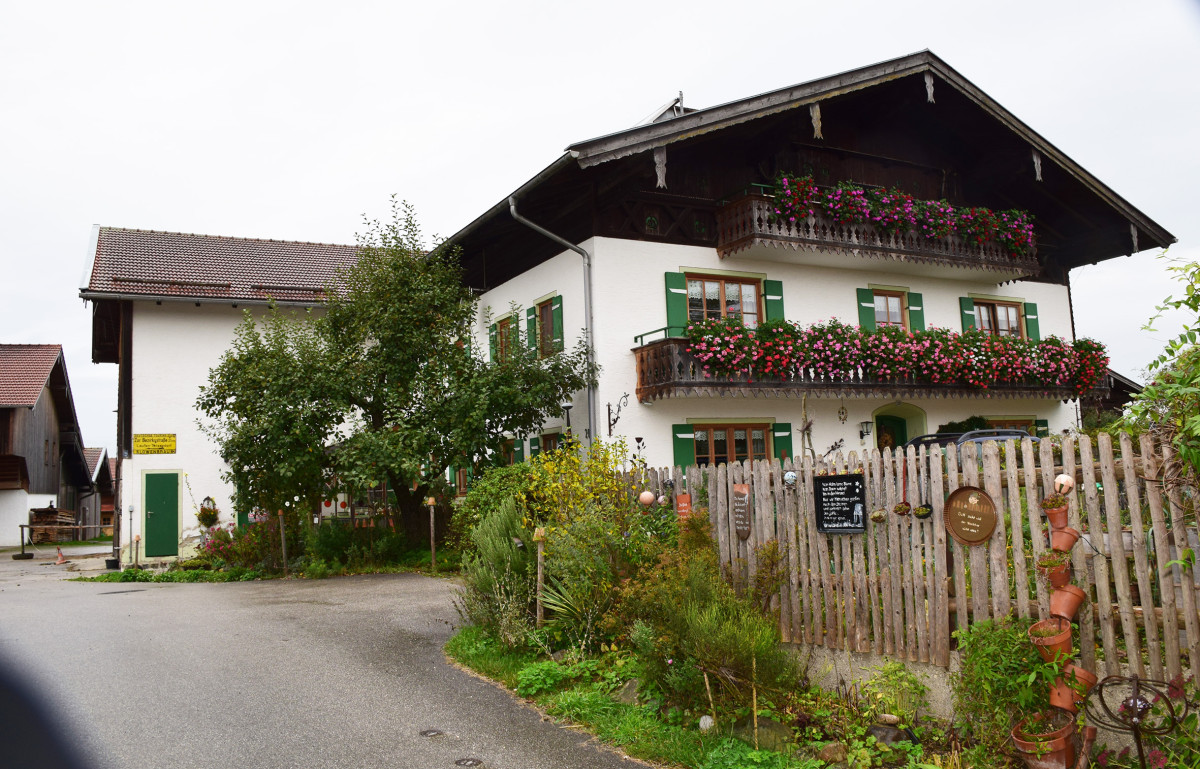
(741, 510)
(841, 502)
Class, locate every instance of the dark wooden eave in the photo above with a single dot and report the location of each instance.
(880, 111)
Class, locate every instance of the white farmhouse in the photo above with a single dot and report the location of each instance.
(672, 222)
(165, 306)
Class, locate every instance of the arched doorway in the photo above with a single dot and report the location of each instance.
(897, 423)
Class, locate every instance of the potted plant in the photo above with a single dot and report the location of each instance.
(1044, 739)
(1064, 539)
(1055, 508)
(1065, 601)
(1055, 567)
(902, 508)
(1052, 637)
(209, 513)
(879, 515)
(922, 511)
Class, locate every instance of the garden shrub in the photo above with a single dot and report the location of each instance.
(498, 578)
(357, 547)
(685, 620)
(1001, 676)
(487, 492)
(541, 677)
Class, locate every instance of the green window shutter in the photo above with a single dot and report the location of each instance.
(492, 342)
(916, 312)
(1033, 329)
(535, 447)
(677, 303)
(866, 308)
(967, 305)
(684, 442)
(531, 334)
(782, 439)
(773, 299)
(518, 450)
(1041, 428)
(556, 312)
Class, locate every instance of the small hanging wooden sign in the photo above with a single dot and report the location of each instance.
(741, 510)
(683, 505)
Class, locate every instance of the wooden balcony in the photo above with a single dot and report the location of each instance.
(744, 226)
(665, 369)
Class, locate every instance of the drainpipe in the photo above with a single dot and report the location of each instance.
(587, 301)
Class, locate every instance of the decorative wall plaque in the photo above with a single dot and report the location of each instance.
(741, 510)
(841, 503)
(970, 516)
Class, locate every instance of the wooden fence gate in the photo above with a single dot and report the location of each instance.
(903, 586)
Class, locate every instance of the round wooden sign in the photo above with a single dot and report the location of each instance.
(970, 516)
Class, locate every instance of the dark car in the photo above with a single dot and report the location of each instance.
(934, 439)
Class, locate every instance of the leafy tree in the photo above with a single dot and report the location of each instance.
(1169, 406)
(383, 385)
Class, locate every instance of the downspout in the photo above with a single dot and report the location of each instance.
(587, 302)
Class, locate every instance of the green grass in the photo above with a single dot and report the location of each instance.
(474, 648)
(638, 730)
(145, 575)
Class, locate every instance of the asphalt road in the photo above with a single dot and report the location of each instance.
(335, 673)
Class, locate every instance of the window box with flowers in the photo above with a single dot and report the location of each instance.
(853, 218)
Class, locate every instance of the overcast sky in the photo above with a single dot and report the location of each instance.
(292, 120)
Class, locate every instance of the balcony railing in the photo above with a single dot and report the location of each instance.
(665, 369)
(746, 222)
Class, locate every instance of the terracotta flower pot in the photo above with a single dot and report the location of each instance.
(1066, 600)
(1063, 539)
(1052, 645)
(1057, 517)
(1057, 576)
(1084, 681)
(1055, 750)
(1062, 695)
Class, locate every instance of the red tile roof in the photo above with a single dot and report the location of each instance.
(207, 267)
(93, 457)
(24, 371)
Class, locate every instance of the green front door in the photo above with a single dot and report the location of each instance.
(892, 432)
(162, 514)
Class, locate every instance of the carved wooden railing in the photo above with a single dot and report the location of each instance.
(665, 369)
(746, 222)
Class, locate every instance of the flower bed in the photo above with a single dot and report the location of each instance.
(838, 351)
(798, 198)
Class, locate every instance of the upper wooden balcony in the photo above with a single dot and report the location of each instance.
(744, 227)
(665, 369)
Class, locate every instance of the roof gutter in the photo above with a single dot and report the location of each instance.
(99, 296)
(587, 299)
(563, 161)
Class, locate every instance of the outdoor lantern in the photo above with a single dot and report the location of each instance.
(864, 428)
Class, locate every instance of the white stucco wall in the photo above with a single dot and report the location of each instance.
(175, 344)
(14, 511)
(629, 298)
(562, 275)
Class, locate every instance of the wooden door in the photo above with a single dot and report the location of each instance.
(162, 514)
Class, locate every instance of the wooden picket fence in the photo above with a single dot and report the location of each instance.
(902, 587)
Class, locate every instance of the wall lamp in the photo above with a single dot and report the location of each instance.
(864, 429)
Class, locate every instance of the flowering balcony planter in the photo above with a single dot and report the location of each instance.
(666, 369)
(750, 222)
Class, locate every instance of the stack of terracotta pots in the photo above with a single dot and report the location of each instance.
(1054, 641)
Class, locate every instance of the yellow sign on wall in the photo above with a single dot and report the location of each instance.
(154, 443)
